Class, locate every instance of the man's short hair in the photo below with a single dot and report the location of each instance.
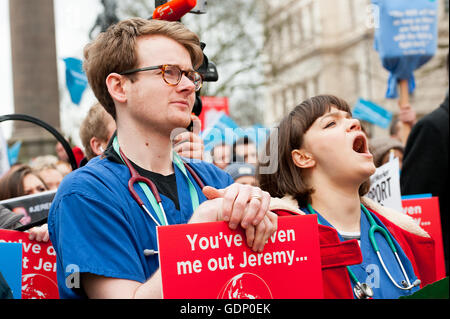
(115, 51)
(94, 124)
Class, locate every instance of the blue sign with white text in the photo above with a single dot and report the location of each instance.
(224, 129)
(405, 38)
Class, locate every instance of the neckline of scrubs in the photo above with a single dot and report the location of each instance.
(178, 167)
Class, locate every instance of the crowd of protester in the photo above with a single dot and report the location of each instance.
(239, 161)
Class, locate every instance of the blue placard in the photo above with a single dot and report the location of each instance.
(11, 266)
(222, 129)
(405, 38)
(372, 113)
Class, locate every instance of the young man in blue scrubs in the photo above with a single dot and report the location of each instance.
(142, 72)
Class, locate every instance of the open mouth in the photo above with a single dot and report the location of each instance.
(360, 144)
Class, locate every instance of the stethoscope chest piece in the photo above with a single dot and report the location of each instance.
(363, 291)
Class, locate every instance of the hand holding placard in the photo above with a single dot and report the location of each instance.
(240, 205)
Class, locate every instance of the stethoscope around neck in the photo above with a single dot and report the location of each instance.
(151, 192)
(363, 290)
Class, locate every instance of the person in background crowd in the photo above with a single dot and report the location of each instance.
(43, 160)
(142, 72)
(19, 181)
(95, 131)
(63, 167)
(242, 173)
(425, 163)
(244, 149)
(221, 155)
(51, 176)
(323, 168)
(45, 167)
(382, 148)
(62, 154)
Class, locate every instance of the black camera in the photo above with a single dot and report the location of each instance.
(208, 71)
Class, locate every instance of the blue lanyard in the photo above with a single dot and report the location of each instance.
(157, 207)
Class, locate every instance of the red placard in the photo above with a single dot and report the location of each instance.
(38, 266)
(210, 261)
(211, 105)
(425, 211)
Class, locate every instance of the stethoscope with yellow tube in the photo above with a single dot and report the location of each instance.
(151, 192)
(363, 290)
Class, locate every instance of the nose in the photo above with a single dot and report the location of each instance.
(186, 84)
(354, 125)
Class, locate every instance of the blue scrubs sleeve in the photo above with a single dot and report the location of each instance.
(95, 236)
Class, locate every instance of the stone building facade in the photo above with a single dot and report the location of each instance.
(326, 47)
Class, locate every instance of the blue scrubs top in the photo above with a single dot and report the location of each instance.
(370, 271)
(97, 227)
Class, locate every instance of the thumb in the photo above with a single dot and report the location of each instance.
(196, 125)
(212, 193)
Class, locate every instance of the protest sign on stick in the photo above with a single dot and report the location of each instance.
(406, 39)
(209, 260)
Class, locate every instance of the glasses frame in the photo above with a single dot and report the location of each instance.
(163, 67)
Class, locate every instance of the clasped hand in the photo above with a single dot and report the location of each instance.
(242, 205)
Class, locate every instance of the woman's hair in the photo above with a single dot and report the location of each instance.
(288, 178)
(115, 51)
(11, 184)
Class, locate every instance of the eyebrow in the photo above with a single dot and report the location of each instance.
(189, 69)
(335, 114)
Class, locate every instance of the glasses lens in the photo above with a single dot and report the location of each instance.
(196, 78)
(172, 74)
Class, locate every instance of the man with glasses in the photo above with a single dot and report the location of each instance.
(143, 73)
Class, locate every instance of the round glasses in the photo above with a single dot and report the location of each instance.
(172, 74)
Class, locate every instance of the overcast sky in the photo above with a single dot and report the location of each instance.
(73, 20)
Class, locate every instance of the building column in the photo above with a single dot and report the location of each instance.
(35, 76)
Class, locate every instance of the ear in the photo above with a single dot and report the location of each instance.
(303, 159)
(116, 87)
(96, 145)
